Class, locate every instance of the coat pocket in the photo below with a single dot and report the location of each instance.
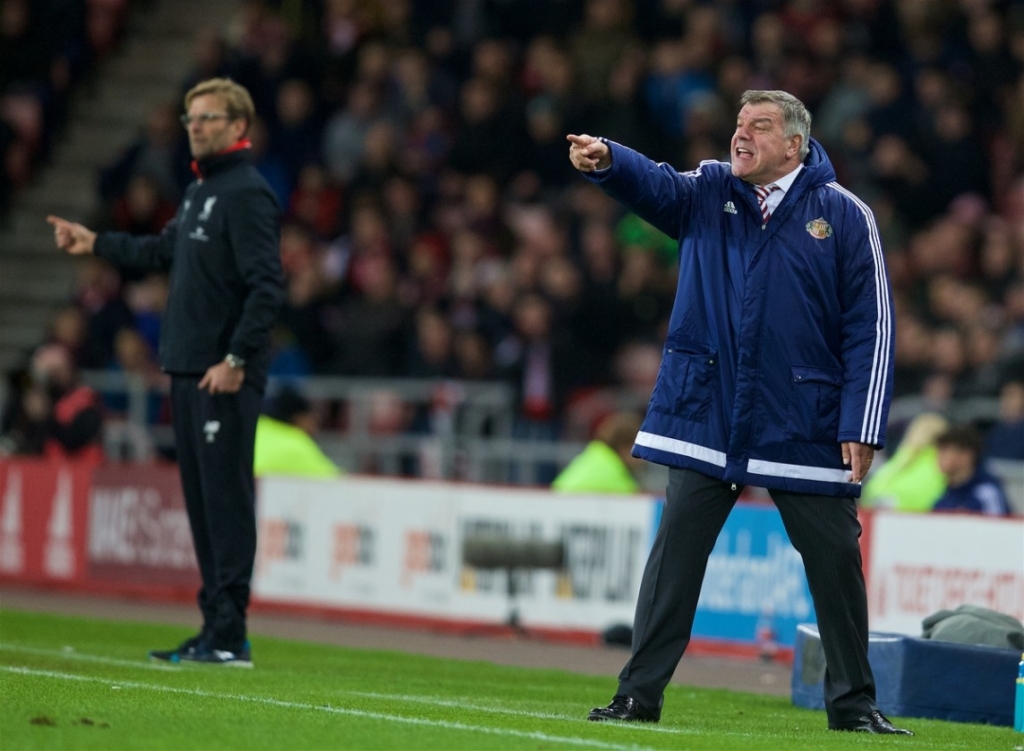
(814, 404)
(684, 386)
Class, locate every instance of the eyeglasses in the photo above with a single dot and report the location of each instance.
(204, 119)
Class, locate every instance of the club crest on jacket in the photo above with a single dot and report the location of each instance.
(818, 228)
(207, 208)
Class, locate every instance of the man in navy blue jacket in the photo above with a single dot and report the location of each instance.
(222, 251)
(776, 372)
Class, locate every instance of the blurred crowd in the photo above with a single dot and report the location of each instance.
(434, 227)
(47, 48)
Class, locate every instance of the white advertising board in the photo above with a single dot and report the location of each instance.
(395, 546)
(923, 563)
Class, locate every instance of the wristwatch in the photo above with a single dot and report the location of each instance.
(234, 362)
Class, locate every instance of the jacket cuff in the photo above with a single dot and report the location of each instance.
(855, 438)
(598, 175)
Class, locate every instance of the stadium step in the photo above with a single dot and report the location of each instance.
(35, 241)
(145, 61)
(71, 186)
(90, 143)
(122, 118)
(21, 267)
(10, 360)
(28, 225)
(29, 312)
(22, 338)
(50, 289)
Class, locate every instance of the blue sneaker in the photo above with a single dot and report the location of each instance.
(188, 646)
(207, 655)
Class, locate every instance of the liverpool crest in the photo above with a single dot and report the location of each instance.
(819, 228)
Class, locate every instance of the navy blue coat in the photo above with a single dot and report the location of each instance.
(780, 342)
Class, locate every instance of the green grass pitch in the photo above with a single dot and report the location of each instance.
(74, 683)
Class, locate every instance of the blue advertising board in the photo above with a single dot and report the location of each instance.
(755, 590)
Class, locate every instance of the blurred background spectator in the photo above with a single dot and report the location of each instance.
(910, 479)
(606, 465)
(284, 439)
(1006, 438)
(434, 227)
(969, 486)
(159, 155)
(55, 415)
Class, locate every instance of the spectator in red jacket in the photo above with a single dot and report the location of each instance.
(59, 417)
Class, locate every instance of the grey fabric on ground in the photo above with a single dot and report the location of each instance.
(971, 624)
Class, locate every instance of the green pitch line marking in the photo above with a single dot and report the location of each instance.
(267, 701)
(70, 654)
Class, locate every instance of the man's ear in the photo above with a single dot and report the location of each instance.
(794, 145)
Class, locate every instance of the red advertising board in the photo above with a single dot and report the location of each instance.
(43, 518)
(138, 528)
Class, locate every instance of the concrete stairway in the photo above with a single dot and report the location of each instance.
(35, 278)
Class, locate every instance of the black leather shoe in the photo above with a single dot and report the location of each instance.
(623, 708)
(874, 722)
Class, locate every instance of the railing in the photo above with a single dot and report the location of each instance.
(465, 430)
(979, 409)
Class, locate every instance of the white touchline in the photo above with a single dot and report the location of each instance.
(438, 701)
(418, 699)
(73, 655)
(317, 708)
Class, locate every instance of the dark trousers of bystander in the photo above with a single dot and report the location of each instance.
(214, 436)
(824, 530)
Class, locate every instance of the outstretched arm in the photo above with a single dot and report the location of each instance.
(655, 192)
(120, 248)
(72, 237)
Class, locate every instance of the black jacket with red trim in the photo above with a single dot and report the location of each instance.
(223, 252)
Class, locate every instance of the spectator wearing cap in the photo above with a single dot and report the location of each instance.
(969, 487)
(284, 440)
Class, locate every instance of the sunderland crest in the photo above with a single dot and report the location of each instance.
(819, 229)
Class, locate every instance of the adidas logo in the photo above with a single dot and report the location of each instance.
(729, 208)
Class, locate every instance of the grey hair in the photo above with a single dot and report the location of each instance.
(795, 118)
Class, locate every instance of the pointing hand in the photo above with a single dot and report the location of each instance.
(71, 236)
(588, 153)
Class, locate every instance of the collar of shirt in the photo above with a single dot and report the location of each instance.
(783, 184)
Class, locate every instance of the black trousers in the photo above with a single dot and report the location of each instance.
(214, 436)
(824, 530)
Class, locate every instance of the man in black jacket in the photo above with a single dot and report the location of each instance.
(222, 250)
